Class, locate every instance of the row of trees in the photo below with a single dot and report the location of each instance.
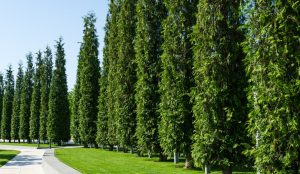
(35, 106)
(180, 77)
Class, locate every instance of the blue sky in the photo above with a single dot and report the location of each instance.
(31, 25)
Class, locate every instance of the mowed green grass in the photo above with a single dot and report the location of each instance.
(96, 161)
(6, 155)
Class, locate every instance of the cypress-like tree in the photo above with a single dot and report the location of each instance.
(125, 76)
(46, 76)
(220, 101)
(273, 55)
(176, 125)
(7, 104)
(102, 120)
(1, 97)
(89, 86)
(148, 51)
(76, 99)
(112, 48)
(35, 105)
(15, 121)
(27, 87)
(58, 120)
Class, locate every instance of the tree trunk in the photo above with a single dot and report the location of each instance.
(111, 147)
(50, 144)
(162, 156)
(189, 163)
(207, 169)
(227, 170)
(176, 157)
(85, 145)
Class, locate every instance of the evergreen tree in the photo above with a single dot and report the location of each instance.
(125, 76)
(273, 55)
(102, 120)
(15, 121)
(148, 51)
(7, 105)
(89, 86)
(46, 75)
(58, 120)
(112, 48)
(176, 123)
(27, 87)
(220, 101)
(1, 97)
(76, 99)
(35, 105)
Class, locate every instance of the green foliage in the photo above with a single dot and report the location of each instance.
(58, 120)
(27, 87)
(89, 86)
(46, 76)
(7, 104)
(148, 51)
(273, 55)
(125, 76)
(36, 100)
(15, 121)
(176, 127)
(1, 97)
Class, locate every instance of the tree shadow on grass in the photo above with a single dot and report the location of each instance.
(5, 156)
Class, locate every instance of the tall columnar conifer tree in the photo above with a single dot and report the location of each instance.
(46, 76)
(1, 97)
(76, 99)
(176, 125)
(102, 120)
(273, 55)
(15, 121)
(220, 101)
(7, 104)
(112, 48)
(35, 106)
(27, 87)
(58, 121)
(89, 86)
(126, 76)
(148, 51)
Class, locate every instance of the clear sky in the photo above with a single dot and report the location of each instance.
(31, 25)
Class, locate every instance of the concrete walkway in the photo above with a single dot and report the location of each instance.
(34, 161)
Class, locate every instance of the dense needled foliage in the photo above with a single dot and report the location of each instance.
(58, 121)
(36, 100)
(7, 107)
(148, 51)
(126, 76)
(1, 97)
(89, 86)
(46, 75)
(220, 101)
(176, 123)
(15, 121)
(114, 9)
(272, 59)
(102, 120)
(27, 86)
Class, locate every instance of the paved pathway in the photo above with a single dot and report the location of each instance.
(34, 161)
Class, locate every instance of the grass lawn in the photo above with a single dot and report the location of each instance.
(95, 161)
(6, 155)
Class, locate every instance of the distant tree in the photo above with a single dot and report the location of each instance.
(1, 97)
(89, 85)
(46, 76)
(112, 39)
(272, 61)
(58, 121)
(102, 120)
(125, 107)
(148, 51)
(27, 87)
(35, 106)
(220, 78)
(15, 121)
(176, 125)
(7, 105)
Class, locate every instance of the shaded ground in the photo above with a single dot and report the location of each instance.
(6, 155)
